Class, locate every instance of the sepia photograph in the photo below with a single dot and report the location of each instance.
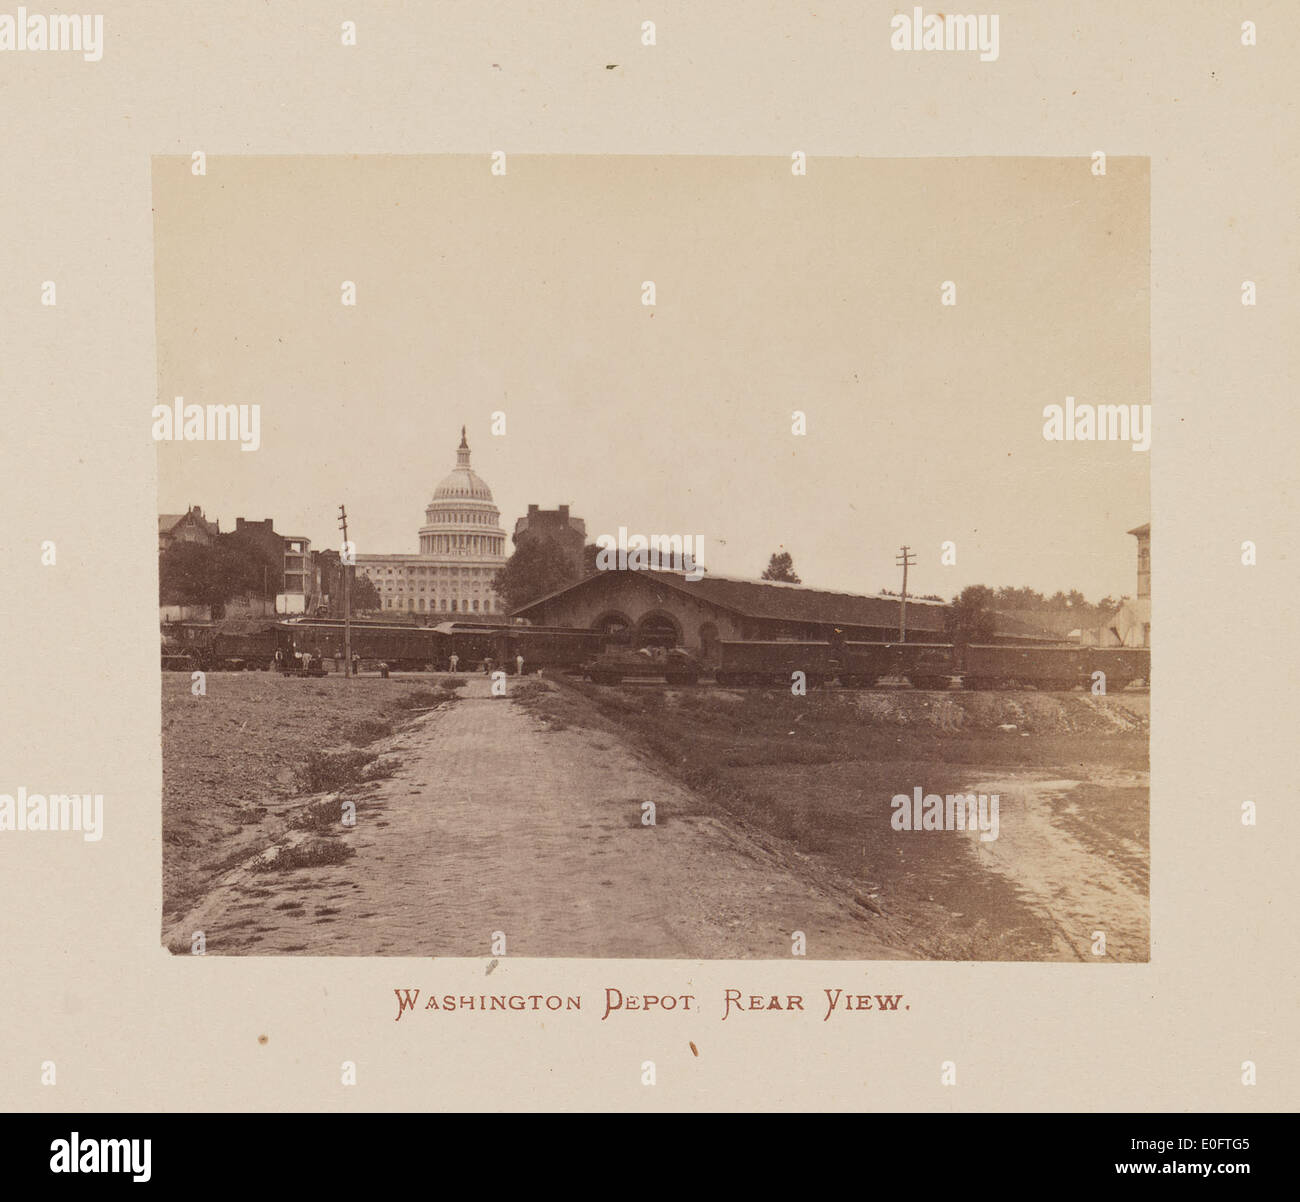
(682, 557)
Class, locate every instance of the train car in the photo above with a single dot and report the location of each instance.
(924, 665)
(473, 643)
(404, 648)
(548, 647)
(984, 666)
(192, 640)
(233, 651)
(618, 662)
(774, 662)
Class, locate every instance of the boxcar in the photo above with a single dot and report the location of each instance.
(995, 667)
(925, 665)
(773, 662)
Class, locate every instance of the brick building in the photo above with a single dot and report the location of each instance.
(557, 525)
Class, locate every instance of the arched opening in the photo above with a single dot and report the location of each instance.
(658, 629)
(612, 621)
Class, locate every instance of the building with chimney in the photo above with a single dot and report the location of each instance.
(556, 525)
(462, 547)
(1130, 626)
(188, 527)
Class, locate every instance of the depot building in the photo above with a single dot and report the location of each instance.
(665, 609)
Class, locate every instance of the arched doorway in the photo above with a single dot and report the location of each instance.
(658, 629)
(612, 621)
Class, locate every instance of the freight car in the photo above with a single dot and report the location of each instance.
(774, 662)
(984, 666)
(931, 665)
(924, 665)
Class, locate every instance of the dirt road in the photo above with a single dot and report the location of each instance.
(494, 821)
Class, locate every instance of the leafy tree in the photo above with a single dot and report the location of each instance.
(540, 565)
(781, 568)
(211, 574)
(365, 596)
(970, 618)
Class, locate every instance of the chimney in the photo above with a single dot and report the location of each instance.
(564, 514)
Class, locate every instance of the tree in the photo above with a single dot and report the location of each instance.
(970, 618)
(540, 565)
(364, 595)
(211, 574)
(781, 568)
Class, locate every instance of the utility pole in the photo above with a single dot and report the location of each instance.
(347, 596)
(904, 559)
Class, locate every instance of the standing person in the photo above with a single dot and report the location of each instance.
(519, 665)
(356, 664)
(455, 659)
(487, 664)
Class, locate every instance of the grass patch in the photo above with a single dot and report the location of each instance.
(323, 815)
(331, 771)
(310, 853)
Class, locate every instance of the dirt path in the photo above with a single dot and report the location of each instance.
(492, 822)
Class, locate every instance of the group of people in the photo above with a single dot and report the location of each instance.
(489, 664)
(306, 662)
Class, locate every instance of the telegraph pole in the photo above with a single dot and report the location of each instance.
(904, 559)
(347, 596)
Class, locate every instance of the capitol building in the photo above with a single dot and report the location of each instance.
(462, 547)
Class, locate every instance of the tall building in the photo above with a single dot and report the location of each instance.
(462, 547)
(556, 525)
(1143, 535)
(1131, 624)
(290, 557)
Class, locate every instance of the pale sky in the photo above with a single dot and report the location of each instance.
(774, 293)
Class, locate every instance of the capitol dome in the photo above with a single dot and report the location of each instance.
(461, 520)
(463, 482)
